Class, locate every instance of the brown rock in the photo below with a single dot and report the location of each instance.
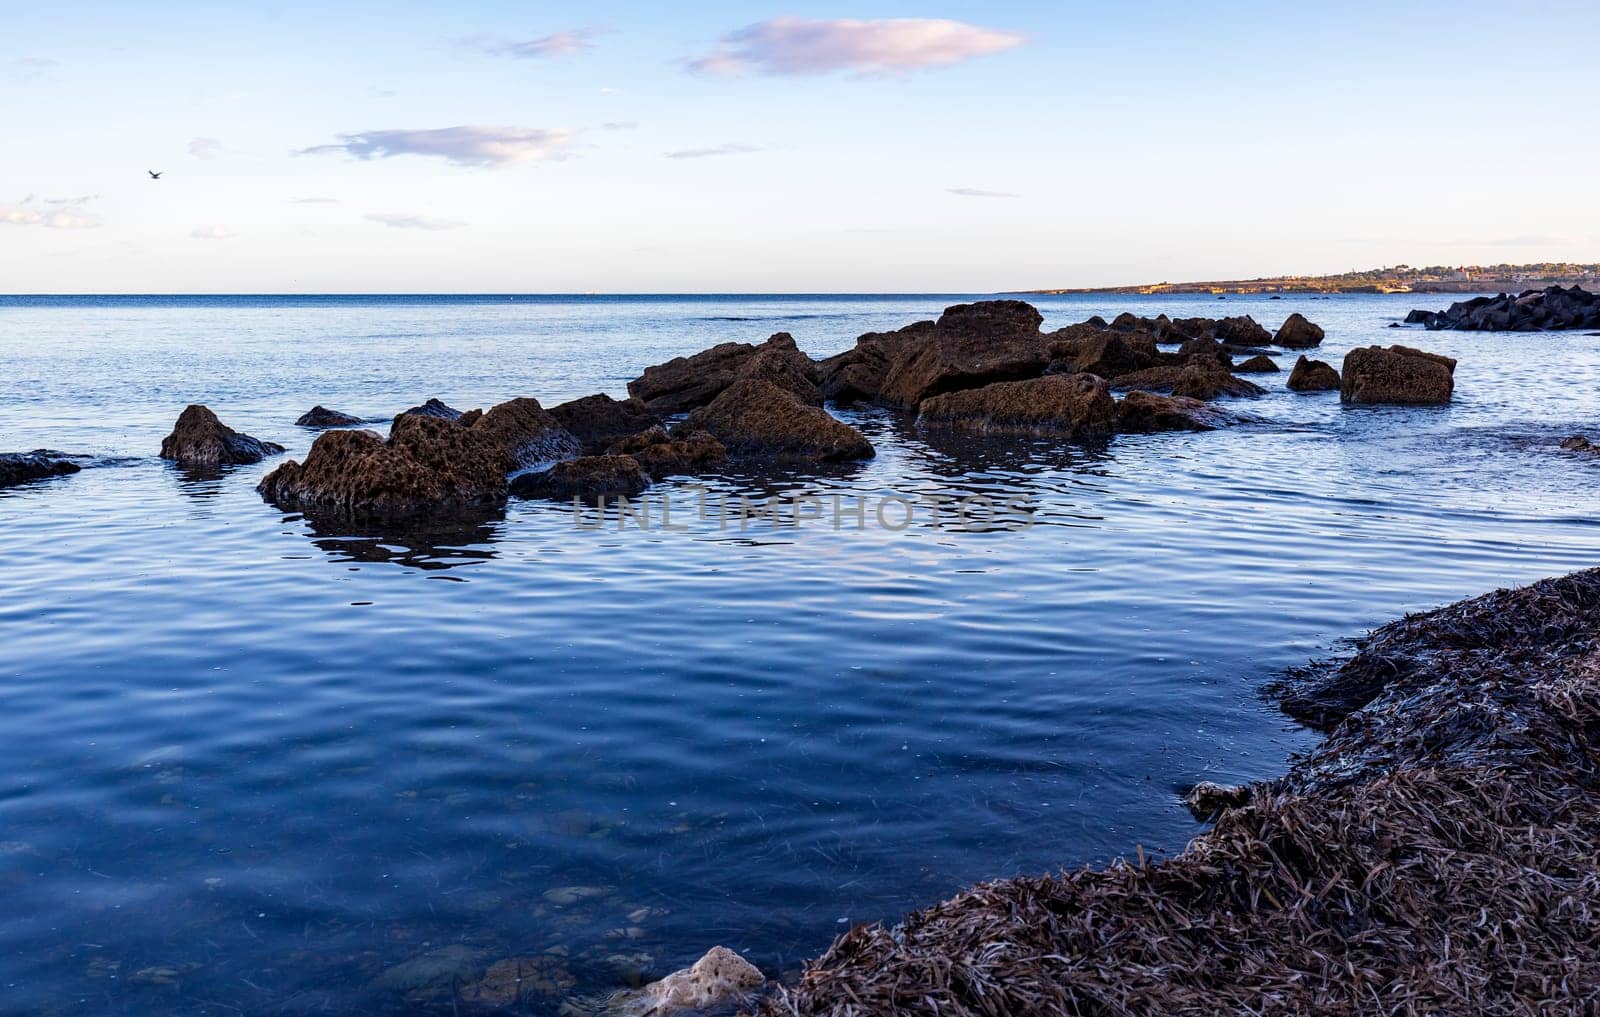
(1578, 443)
(756, 417)
(857, 374)
(529, 434)
(599, 421)
(588, 479)
(21, 467)
(321, 416)
(1146, 411)
(427, 465)
(1398, 375)
(1065, 403)
(1258, 364)
(1078, 349)
(721, 976)
(1206, 800)
(200, 439)
(432, 408)
(1200, 378)
(686, 383)
(1313, 376)
(1298, 333)
(684, 453)
(516, 980)
(1241, 331)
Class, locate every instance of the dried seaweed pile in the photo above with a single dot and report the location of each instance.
(1439, 853)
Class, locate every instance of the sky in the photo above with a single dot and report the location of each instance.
(850, 147)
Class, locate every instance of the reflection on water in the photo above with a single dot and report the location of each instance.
(253, 762)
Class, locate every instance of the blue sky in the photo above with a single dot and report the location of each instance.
(730, 147)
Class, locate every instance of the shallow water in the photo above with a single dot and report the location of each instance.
(249, 764)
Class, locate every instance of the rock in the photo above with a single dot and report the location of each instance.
(1241, 331)
(1258, 364)
(1064, 403)
(1578, 443)
(436, 971)
(1078, 349)
(427, 465)
(589, 479)
(1398, 375)
(517, 979)
(754, 417)
(1204, 347)
(321, 416)
(1193, 328)
(1207, 800)
(857, 374)
(687, 383)
(1313, 376)
(528, 433)
(1200, 378)
(1298, 333)
(565, 896)
(683, 453)
(200, 439)
(432, 408)
(1552, 308)
(21, 467)
(599, 421)
(1146, 411)
(720, 977)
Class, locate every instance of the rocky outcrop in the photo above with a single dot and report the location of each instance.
(857, 374)
(1146, 411)
(1313, 376)
(320, 416)
(719, 979)
(1552, 308)
(755, 417)
(686, 452)
(432, 408)
(687, 383)
(599, 421)
(1258, 364)
(1578, 443)
(1398, 375)
(1241, 331)
(1072, 404)
(1083, 349)
(528, 433)
(200, 439)
(1298, 333)
(1200, 378)
(589, 479)
(21, 467)
(427, 465)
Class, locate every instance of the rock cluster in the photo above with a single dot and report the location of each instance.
(588, 479)
(21, 467)
(1553, 308)
(199, 439)
(687, 383)
(1399, 375)
(755, 417)
(1069, 404)
(599, 421)
(685, 452)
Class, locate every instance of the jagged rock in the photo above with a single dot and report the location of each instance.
(1080, 349)
(1313, 376)
(432, 408)
(1241, 331)
(427, 465)
(687, 383)
(1204, 347)
(599, 421)
(1206, 800)
(1399, 375)
(200, 439)
(757, 418)
(1065, 403)
(528, 433)
(1258, 364)
(1146, 411)
(856, 375)
(720, 977)
(21, 467)
(1578, 443)
(1200, 378)
(683, 453)
(1552, 308)
(1298, 333)
(321, 416)
(588, 479)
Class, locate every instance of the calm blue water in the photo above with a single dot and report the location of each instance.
(251, 766)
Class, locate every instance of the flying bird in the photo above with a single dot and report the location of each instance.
(154, 175)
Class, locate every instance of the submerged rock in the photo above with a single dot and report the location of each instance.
(516, 980)
(21, 467)
(321, 416)
(754, 417)
(1298, 333)
(1146, 411)
(427, 465)
(434, 972)
(1578, 443)
(1064, 403)
(527, 432)
(1313, 376)
(588, 479)
(1398, 375)
(687, 383)
(599, 421)
(200, 439)
(685, 452)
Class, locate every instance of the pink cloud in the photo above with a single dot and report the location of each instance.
(799, 46)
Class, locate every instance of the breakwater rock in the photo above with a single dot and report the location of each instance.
(1549, 309)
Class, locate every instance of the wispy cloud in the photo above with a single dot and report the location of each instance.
(979, 192)
(702, 153)
(464, 146)
(620, 125)
(51, 213)
(31, 67)
(557, 44)
(205, 148)
(403, 221)
(212, 233)
(790, 45)
(313, 201)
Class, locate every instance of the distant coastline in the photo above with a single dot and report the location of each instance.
(1398, 279)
